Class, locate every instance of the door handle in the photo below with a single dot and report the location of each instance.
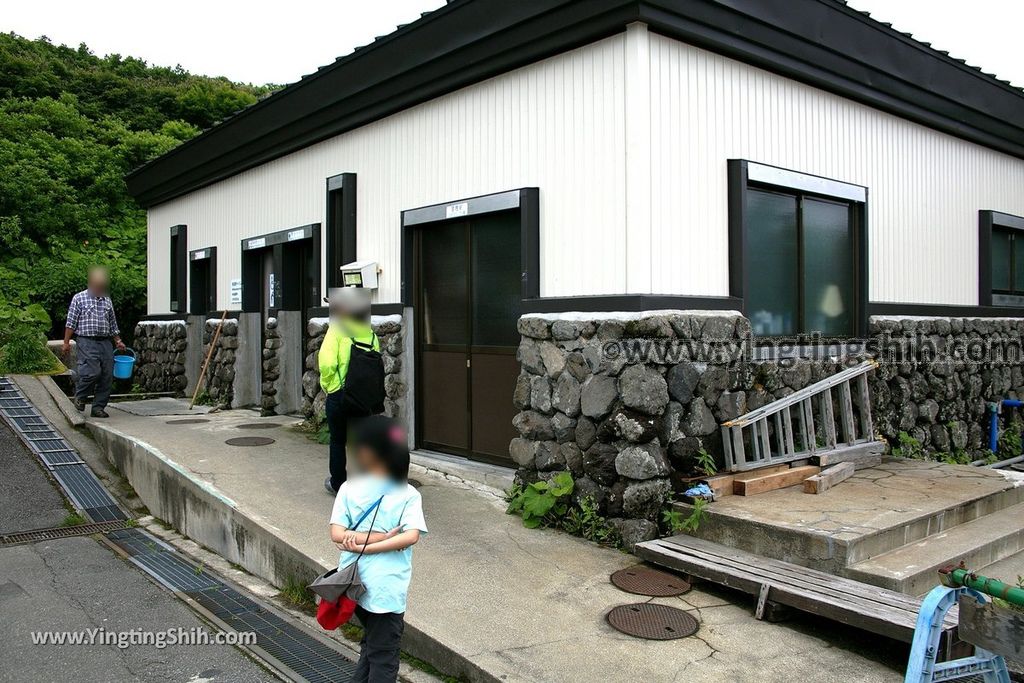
(467, 363)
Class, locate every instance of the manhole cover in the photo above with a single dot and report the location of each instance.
(188, 421)
(250, 441)
(644, 580)
(652, 622)
(259, 425)
(415, 483)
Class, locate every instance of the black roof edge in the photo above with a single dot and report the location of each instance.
(823, 43)
(476, 40)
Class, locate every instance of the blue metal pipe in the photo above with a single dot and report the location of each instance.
(993, 420)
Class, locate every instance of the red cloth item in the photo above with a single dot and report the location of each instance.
(331, 615)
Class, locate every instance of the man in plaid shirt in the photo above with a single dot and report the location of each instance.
(91, 320)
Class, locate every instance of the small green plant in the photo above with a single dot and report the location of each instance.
(204, 399)
(295, 592)
(677, 523)
(957, 457)
(131, 523)
(586, 520)
(323, 433)
(542, 503)
(73, 519)
(706, 463)
(908, 447)
(1009, 444)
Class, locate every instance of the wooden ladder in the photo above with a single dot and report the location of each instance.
(766, 436)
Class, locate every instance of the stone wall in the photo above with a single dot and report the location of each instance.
(160, 355)
(625, 402)
(943, 403)
(271, 366)
(220, 375)
(389, 331)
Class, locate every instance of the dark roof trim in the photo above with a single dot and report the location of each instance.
(820, 42)
(465, 42)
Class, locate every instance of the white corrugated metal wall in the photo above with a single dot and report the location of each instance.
(572, 125)
(557, 125)
(925, 188)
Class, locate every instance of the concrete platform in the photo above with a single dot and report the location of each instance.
(159, 406)
(892, 525)
(490, 600)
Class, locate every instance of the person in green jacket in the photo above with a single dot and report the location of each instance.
(349, 320)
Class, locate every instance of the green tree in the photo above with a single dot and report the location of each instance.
(71, 126)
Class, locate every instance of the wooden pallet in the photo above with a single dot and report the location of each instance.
(871, 608)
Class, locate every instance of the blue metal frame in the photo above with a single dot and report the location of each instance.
(924, 667)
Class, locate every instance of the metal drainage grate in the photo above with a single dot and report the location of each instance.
(259, 425)
(293, 648)
(651, 621)
(37, 535)
(250, 441)
(85, 489)
(162, 562)
(307, 656)
(188, 421)
(59, 456)
(643, 580)
(415, 483)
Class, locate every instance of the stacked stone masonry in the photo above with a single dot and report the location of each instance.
(220, 375)
(271, 366)
(160, 355)
(389, 332)
(625, 402)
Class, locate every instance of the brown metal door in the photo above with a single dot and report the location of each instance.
(443, 332)
(469, 293)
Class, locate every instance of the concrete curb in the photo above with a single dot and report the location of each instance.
(200, 512)
(64, 404)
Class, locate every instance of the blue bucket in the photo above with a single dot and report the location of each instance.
(123, 365)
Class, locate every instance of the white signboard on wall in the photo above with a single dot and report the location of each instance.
(236, 292)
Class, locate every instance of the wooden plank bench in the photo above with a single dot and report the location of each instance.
(871, 608)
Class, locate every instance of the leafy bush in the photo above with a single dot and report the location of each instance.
(23, 341)
(587, 521)
(72, 124)
(549, 504)
(542, 503)
(909, 447)
(676, 523)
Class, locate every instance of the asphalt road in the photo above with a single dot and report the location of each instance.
(77, 584)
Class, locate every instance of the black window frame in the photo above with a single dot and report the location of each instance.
(178, 275)
(990, 221)
(800, 185)
(196, 306)
(340, 220)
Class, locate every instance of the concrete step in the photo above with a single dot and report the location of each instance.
(979, 543)
(875, 512)
(1007, 569)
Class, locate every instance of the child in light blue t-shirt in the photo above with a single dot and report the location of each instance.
(389, 531)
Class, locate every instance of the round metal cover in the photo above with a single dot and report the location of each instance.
(643, 580)
(259, 425)
(188, 421)
(652, 622)
(250, 441)
(415, 483)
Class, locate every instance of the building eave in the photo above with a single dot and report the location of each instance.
(820, 42)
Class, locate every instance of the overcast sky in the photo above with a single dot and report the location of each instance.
(280, 42)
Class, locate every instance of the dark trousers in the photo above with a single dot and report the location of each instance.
(95, 370)
(338, 423)
(381, 644)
